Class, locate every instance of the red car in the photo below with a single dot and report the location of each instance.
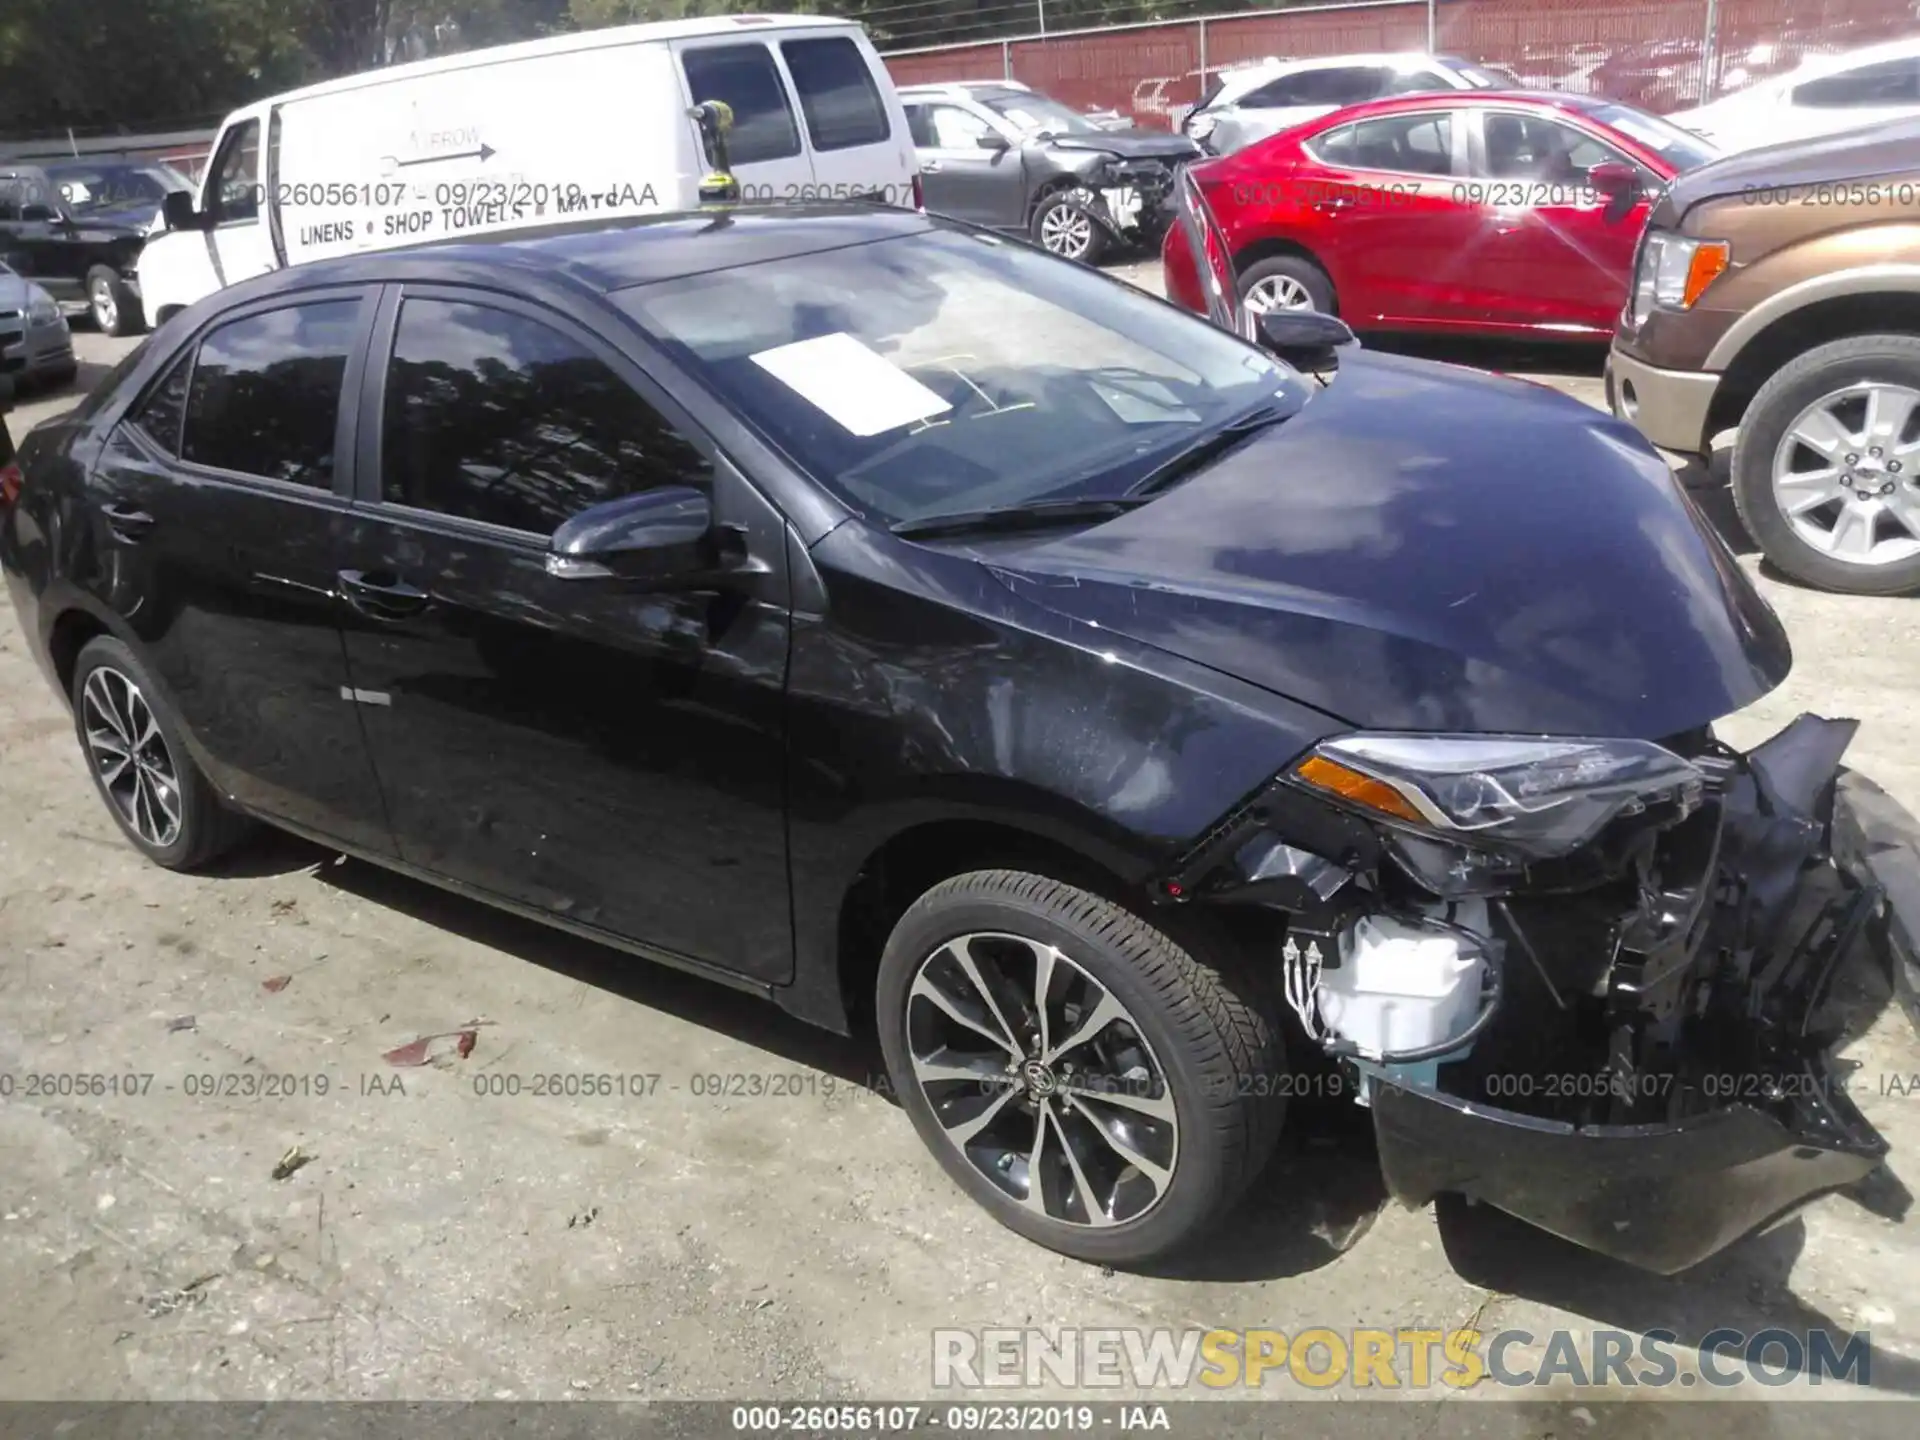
(1509, 214)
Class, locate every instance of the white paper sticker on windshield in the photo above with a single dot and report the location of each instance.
(860, 390)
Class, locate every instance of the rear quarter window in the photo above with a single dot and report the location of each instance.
(837, 93)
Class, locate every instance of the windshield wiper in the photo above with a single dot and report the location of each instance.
(1182, 463)
(1004, 519)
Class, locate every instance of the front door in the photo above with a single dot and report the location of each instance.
(1562, 251)
(239, 233)
(612, 756)
(959, 174)
(220, 516)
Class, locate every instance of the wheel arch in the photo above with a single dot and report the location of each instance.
(1821, 322)
(1274, 247)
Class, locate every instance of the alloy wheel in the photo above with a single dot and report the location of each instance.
(1042, 1080)
(1276, 292)
(1845, 472)
(1067, 231)
(106, 312)
(129, 754)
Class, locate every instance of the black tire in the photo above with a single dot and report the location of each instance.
(205, 827)
(124, 316)
(1302, 271)
(1893, 359)
(1213, 1037)
(1064, 203)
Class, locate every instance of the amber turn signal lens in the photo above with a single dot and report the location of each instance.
(1709, 259)
(1364, 790)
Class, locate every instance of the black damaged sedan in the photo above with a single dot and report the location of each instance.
(894, 621)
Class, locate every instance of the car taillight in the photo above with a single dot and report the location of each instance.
(10, 482)
(919, 192)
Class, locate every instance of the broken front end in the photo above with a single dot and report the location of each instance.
(1578, 980)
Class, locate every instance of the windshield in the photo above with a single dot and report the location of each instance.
(90, 187)
(1036, 113)
(1681, 149)
(946, 372)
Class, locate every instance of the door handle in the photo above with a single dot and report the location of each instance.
(928, 167)
(380, 595)
(127, 522)
(1330, 205)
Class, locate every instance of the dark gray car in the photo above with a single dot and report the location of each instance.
(1002, 155)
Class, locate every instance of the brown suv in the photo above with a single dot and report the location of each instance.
(1779, 291)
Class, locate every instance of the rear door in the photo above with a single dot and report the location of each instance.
(610, 756)
(220, 514)
(1383, 212)
(850, 124)
(1561, 252)
(765, 148)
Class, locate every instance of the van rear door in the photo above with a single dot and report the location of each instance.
(855, 124)
(765, 148)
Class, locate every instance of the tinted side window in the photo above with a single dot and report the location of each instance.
(745, 78)
(492, 416)
(1335, 85)
(1527, 147)
(1417, 82)
(837, 93)
(1890, 82)
(266, 393)
(161, 413)
(1419, 144)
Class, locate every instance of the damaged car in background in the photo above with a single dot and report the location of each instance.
(1127, 716)
(1001, 155)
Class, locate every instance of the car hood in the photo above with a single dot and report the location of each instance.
(1846, 155)
(15, 292)
(1429, 547)
(1140, 145)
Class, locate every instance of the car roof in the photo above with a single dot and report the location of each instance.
(1241, 79)
(603, 255)
(1478, 99)
(567, 43)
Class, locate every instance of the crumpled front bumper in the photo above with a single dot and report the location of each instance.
(1725, 1115)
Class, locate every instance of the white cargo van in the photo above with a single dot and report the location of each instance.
(566, 127)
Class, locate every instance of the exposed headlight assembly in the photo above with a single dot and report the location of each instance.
(1675, 271)
(1495, 803)
(1200, 126)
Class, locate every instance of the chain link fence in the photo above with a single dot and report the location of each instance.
(1662, 55)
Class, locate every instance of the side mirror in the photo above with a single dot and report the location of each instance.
(1613, 177)
(1305, 339)
(177, 210)
(1620, 183)
(993, 140)
(660, 538)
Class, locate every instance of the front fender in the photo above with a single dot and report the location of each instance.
(928, 691)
